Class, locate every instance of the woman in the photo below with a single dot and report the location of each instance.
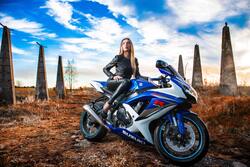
(126, 67)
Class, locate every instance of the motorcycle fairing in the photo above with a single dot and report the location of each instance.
(171, 97)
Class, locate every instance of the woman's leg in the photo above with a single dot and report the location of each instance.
(121, 86)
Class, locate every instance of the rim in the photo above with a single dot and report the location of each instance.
(89, 127)
(178, 146)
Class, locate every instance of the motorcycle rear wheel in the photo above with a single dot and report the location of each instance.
(91, 131)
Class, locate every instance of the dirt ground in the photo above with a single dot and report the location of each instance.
(36, 133)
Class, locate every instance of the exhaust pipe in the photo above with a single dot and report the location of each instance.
(92, 112)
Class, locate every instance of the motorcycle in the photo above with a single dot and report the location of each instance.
(155, 112)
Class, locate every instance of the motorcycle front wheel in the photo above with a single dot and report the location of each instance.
(184, 149)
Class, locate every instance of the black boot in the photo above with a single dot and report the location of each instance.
(103, 114)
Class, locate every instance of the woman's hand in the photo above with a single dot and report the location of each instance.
(117, 77)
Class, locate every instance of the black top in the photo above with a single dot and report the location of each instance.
(123, 68)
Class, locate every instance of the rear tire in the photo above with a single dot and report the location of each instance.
(179, 154)
(91, 131)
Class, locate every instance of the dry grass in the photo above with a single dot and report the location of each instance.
(37, 133)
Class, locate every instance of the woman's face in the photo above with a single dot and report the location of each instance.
(126, 45)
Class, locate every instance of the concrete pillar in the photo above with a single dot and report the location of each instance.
(197, 81)
(7, 84)
(41, 82)
(60, 88)
(180, 67)
(228, 81)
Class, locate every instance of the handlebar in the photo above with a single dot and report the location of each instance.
(163, 81)
(155, 79)
(161, 78)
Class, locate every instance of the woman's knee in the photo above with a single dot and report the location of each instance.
(126, 84)
(126, 81)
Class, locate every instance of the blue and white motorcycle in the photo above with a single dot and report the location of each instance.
(155, 112)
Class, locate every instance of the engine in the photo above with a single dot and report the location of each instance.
(122, 118)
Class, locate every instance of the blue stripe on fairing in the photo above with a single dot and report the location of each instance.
(179, 82)
(127, 134)
(151, 104)
(165, 72)
(153, 94)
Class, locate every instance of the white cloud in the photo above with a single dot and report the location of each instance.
(19, 51)
(117, 7)
(149, 49)
(92, 53)
(62, 12)
(103, 35)
(96, 50)
(198, 11)
(152, 30)
(24, 25)
(70, 0)
(105, 29)
(195, 10)
(180, 43)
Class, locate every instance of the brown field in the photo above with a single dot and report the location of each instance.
(36, 133)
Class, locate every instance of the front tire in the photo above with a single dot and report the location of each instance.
(91, 131)
(186, 150)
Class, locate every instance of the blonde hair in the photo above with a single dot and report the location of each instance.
(132, 55)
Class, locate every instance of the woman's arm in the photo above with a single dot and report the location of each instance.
(110, 65)
(137, 73)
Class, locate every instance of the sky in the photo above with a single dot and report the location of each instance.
(89, 32)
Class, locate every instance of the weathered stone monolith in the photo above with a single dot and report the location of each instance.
(228, 81)
(180, 67)
(41, 82)
(7, 84)
(197, 70)
(60, 88)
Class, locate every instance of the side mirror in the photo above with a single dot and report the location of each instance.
(161, 64)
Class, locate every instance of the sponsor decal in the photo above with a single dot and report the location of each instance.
(133, 137)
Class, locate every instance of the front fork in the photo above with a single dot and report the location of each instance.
(176, 119)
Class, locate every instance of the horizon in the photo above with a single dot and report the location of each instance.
(89, 32)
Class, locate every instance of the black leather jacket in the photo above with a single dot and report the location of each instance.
(123, 68)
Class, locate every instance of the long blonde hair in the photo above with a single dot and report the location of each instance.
(132, 55)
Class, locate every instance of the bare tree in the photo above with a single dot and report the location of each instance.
(70, 73)
(18, 83)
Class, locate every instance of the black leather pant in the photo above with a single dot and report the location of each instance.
(118, 86)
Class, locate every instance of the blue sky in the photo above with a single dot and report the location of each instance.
(90, 31)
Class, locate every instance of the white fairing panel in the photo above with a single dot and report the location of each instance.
(175, 90)
(97, 86)
(134, 115)
(143, 125)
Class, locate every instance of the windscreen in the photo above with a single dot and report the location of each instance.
(173, 71)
